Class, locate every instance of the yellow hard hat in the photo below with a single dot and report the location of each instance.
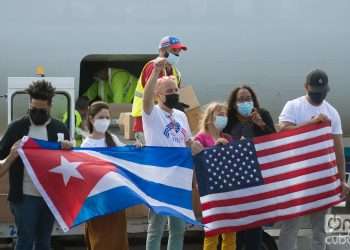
(40, 70)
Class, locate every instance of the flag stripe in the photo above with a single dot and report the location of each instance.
(148, 172)
(299, 172)
(268, 201)
(298, 165)
(149, 188)
(294, 145)
(241, 213)
(102, 202)
(297, 158)
(295, 152)
(120, 180)
(146, 155)
(225, 229)
(293, 134)
(274, 214)
(270, 187)
(168, 194)
(269, 194)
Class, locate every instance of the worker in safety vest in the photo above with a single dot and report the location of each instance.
(170, 47)
(100, 88)
(112, 85)
(80, 118)
(122, 85)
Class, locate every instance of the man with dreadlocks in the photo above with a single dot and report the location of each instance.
(33, 218)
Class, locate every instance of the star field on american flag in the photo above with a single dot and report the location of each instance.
(231, 167)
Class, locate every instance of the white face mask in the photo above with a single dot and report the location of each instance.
(101, 125)
(173, 59)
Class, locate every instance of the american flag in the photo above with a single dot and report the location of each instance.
(250, 183)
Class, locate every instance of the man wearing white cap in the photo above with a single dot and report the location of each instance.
(170, 48)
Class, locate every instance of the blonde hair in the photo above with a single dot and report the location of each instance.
(208, 115)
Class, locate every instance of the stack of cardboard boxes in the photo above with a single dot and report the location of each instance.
(5, 214)
(194, 111)
(126, 122)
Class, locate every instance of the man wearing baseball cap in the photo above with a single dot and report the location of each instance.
(311, 109)
(170, 47)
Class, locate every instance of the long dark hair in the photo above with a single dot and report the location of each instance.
(232, 112)
(93, 110)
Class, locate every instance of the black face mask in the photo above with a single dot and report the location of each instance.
(171, 101)
(317, 97)
(166, 54)
(39, 116)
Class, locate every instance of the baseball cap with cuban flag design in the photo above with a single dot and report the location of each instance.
(171, 41)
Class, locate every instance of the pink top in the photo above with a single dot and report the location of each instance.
(207, 140)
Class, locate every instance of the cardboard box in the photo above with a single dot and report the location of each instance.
(117, 109)
(139, 211)
(5, 213)
(194, 117)
(122, 120)
(188, 96)
(126, 122)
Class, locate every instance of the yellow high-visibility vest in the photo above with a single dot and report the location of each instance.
(78, 119)
(99, 88)
(122, 85)
(138, 96)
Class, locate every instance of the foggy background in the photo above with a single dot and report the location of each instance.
(271, 44)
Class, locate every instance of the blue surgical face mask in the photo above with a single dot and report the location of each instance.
(245, 108)
(173, 59)
(220, 122)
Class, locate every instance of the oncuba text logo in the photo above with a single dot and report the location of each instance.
(337, 223)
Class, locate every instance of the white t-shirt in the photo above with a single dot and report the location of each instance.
(37, 132)
(299, 111)
(165, 129)
(99, 143)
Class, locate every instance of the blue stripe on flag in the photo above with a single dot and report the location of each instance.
(101, 204)
(167, 194)
(48, 144)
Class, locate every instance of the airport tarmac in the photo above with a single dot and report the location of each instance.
(304, 243)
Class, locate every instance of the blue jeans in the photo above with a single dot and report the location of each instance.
(155, 230)
(34, 223)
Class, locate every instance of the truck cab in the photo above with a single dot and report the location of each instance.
(63, 101)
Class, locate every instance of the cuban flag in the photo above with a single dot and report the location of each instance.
(82, 183)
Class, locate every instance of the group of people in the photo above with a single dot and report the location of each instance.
(242, 117)
(159, 121)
